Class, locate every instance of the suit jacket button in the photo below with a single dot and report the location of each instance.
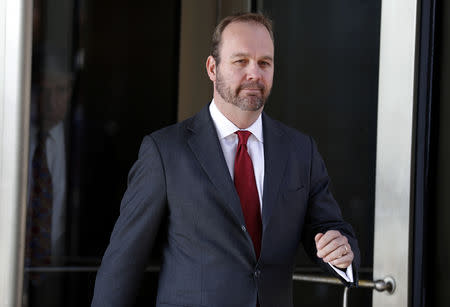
(257, 273)
(243, 228)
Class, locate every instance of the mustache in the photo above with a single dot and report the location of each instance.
(251, 85)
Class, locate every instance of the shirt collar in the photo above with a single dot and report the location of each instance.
(53, 133)
(225, 127)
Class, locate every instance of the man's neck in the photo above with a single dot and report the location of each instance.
(242, 119)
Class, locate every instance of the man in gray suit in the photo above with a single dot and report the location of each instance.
(238, 190)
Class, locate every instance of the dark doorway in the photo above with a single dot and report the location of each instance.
(326, 85)
(120, 64)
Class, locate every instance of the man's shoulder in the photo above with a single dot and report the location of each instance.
(167, 131)
(180, 130)
(292, 133)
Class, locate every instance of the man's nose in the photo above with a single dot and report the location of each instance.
(254, 72)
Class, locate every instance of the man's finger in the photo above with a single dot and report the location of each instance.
(337, 253)
(327, 238)
(343, 262)
(317, 237)
(331, 246)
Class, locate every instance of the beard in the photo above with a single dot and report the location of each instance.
(249, 102)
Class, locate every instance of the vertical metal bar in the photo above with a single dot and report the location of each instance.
(198, 20)
(396, 99)
(218, 11)
(345, 297)
(15, 74)
(260, 5)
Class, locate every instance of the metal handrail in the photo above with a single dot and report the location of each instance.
(387, 284)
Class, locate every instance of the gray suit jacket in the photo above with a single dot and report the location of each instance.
(181, 178)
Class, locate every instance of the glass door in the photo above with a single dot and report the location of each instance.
(106, 73)
(103, 76)
(326, 85)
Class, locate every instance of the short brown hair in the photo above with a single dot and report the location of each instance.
(239, 17)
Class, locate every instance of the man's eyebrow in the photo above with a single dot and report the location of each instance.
(243, 54)
(267, 58)
(239, 55)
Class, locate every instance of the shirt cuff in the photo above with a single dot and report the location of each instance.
(347, 275)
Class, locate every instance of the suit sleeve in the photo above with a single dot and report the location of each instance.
(323, 214)
(141, 211)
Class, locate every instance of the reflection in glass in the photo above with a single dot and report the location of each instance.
(105, 75)
(326, 82)
(47, 178)
(46, 211)
(102, 78)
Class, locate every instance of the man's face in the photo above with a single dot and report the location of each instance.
(245, 72)
(51, 102)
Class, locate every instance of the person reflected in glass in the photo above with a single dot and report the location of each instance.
(46, 210)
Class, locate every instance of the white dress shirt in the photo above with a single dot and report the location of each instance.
(229, 140)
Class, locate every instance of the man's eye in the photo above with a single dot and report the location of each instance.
(242, 61)
(264, 64)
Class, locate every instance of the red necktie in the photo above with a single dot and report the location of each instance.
(244, 181)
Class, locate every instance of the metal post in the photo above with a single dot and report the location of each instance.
(15, 74)
(345, 297)
(396, 104)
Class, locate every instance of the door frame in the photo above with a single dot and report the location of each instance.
(396, 141)
(15, 85)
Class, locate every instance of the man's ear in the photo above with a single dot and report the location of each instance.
(211, 68)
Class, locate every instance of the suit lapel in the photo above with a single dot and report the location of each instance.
(205, 145)
(275, 159)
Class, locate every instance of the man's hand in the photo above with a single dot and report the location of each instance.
(332, 247)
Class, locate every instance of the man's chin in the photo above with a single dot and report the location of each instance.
(249, 103)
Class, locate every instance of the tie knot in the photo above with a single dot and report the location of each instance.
(42, 137)
(243, 136)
